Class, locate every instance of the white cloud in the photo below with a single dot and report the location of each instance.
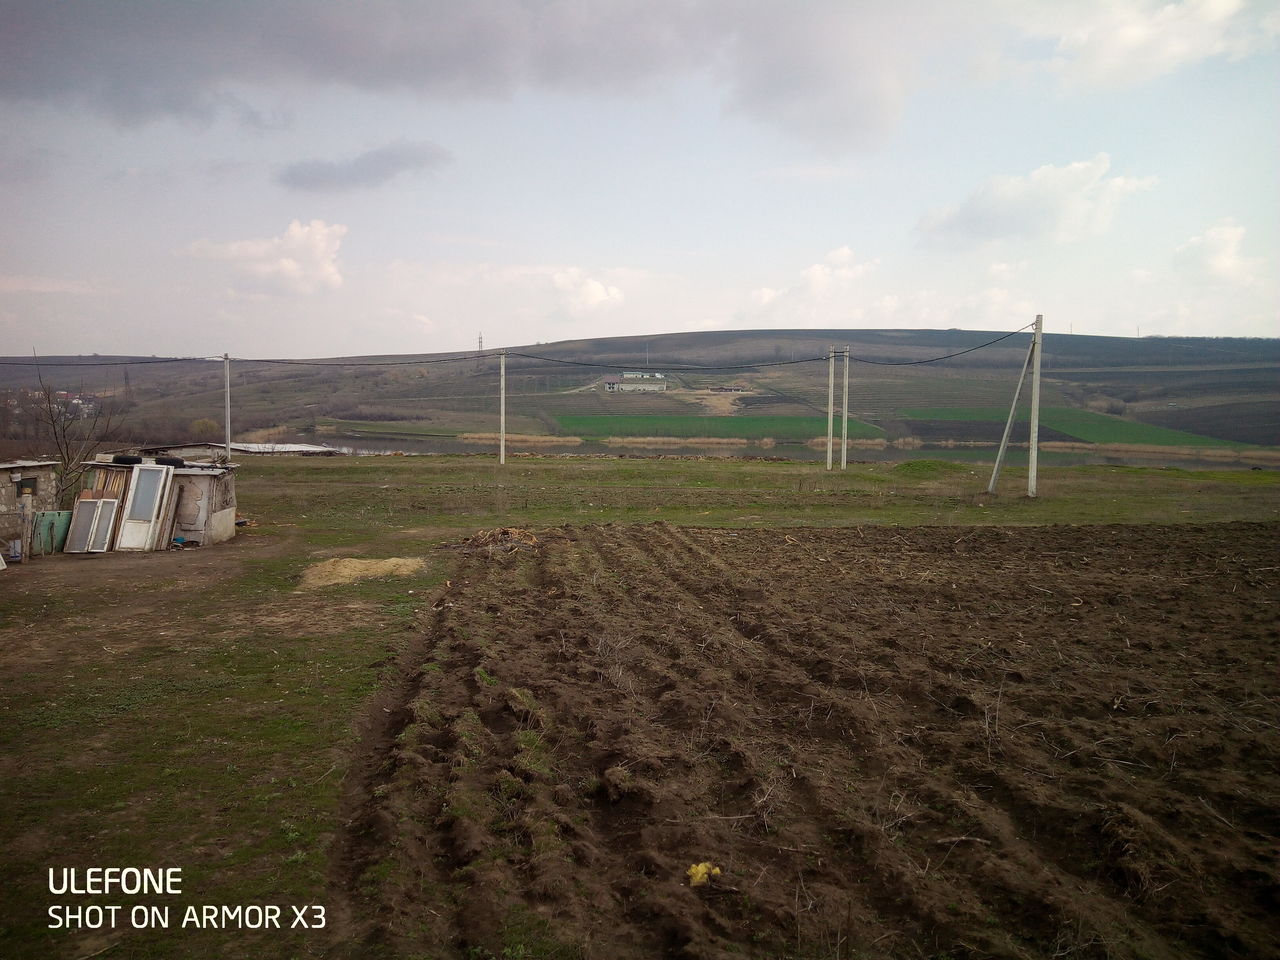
(1111, 43)
(839, 268)
(1217, 256)
(302, 260)
(514, 296)
(1060, 203)
(842, 290)
(820, 291)
(583, 293)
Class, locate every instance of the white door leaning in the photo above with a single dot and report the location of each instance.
(147, 490)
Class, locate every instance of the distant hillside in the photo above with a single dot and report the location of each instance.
(1227, 389)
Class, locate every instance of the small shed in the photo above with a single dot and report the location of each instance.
(153, 503)
(205, 510)
(27, 488)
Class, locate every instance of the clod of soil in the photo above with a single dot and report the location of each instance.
(329, 573)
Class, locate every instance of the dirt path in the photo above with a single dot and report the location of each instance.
(110, 596)
(893, 742)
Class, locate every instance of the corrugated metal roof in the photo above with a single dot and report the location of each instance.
(23, 464)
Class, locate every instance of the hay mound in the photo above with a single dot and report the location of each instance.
(327, 573)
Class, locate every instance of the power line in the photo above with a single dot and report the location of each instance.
(961, 353)
(370, 363)
(784, 363)
(311, 363)
(101, 363)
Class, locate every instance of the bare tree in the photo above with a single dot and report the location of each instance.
(66, 429)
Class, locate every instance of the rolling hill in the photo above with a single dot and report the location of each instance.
(1213, 390)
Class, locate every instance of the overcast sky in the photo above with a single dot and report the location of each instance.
(310, 178)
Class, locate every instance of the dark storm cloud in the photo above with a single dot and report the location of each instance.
(143, 58)
(369, 169)
(826, 70)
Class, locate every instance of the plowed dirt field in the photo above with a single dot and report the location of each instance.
(928, 742)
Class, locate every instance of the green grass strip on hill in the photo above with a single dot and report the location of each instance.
(749, 428)
(1082, 424)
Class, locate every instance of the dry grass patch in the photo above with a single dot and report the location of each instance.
(329, 573)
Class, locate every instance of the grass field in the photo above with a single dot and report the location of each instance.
(198, 709)
(1083, 424)
(349, 501)
(749, 428)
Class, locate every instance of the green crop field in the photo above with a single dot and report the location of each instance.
(1082, 424)
(749, 428)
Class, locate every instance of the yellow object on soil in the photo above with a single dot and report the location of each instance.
(701, 873)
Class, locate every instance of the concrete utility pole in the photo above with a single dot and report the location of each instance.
(1031, 363)
(226, 378)
(831, 399)
(1008, 424)
(844, 430)
(1037, 346)
(502, 408)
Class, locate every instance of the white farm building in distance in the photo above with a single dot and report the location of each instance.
(635, 381)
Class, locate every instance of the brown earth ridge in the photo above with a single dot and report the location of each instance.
(893, 742)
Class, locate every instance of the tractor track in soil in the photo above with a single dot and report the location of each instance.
(1056, 741)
